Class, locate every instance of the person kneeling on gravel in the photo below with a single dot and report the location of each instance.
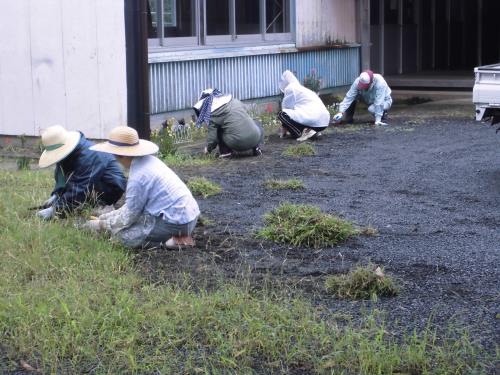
(82, 176)
(229, 125)
(372, 89)
(303, 114)
(159, 209)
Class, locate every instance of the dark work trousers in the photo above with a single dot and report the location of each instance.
(349, 112)
(294, 127)
(223, 148)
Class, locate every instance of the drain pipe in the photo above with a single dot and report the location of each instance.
(136, 42)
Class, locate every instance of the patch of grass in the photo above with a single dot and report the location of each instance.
(73, 303)
(302, 149)
(200, 186)
(183, 160)
(305, 225)
(292, 184)
(362, 283)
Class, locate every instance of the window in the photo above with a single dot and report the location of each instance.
(191, 23)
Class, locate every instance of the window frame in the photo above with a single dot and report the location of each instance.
(202, 40)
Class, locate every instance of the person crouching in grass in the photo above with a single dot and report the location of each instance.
(159, 209)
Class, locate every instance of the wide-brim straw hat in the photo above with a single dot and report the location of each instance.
(124, 141)
(58, 143)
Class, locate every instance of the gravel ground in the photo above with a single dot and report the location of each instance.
(430, 185)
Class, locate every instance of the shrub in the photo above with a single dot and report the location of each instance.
(305, 225)
(164, 138)
(202, 186)
(302, 149)
(362, 283)
(312, 81)
(293, 184)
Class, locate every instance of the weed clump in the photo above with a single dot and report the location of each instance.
(23, 163)
(305, 225)
(293, 184)
(302, 149)
(362, 283)
(202, 187)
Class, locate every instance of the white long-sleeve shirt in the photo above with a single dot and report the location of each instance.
(153, 189)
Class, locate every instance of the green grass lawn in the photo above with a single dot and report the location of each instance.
(74, 303)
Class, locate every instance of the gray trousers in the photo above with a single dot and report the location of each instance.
(150, 231)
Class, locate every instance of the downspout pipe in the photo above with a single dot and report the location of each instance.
(136, 43)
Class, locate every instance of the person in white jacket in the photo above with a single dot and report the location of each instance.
(302, 114)
(370, 88)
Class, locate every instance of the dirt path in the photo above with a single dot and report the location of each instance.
(429, 185)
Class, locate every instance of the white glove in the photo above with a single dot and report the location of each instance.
(380, 123)
(93, 225)
(338, 117)
(51, 200)
(46, 213)
(205, 150)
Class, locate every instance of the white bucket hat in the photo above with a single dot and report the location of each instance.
(124, 141)
(58, 143)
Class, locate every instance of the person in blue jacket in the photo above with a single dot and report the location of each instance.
(81, 175)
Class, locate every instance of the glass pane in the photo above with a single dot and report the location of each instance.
(217, 17)
(152, 19)
(247, 16)
(277, 16)
(178, 18)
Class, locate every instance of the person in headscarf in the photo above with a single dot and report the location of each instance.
(302, 114)
(81, 175)
(230, 127)
(159, 209)
(372, 89)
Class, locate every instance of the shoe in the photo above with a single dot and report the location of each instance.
(385, 116)
(306, 134)
(226, 155)
(257, 151)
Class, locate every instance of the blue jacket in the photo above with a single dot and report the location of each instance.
(85, 175)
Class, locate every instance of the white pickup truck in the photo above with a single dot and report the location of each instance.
(486, 93)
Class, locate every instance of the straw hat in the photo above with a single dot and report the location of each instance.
(365, 80)
(58, 143)
(124, 141)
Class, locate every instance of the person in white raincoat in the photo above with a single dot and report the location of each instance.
(303, 114)
(372, 89)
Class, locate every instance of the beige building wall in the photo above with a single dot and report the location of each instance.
(62, 62)
(322, 21)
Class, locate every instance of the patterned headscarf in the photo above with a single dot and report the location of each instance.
(206, 106)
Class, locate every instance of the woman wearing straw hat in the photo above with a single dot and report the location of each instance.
(159, 208)
(229, 125)
(81, 175)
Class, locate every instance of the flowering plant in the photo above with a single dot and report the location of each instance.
(312, 81)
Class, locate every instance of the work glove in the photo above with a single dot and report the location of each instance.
(92, 225)
(205, 151)
(338, 117)
(46, 213)
(50, 201)
(380, 123)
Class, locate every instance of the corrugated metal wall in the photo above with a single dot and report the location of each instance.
(177, 85)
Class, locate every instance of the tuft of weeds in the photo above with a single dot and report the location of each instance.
(302, 149)
(292, 184)
(369, 231)
(305, 225)
(362, 283)
(202, 187)
(23, 163)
